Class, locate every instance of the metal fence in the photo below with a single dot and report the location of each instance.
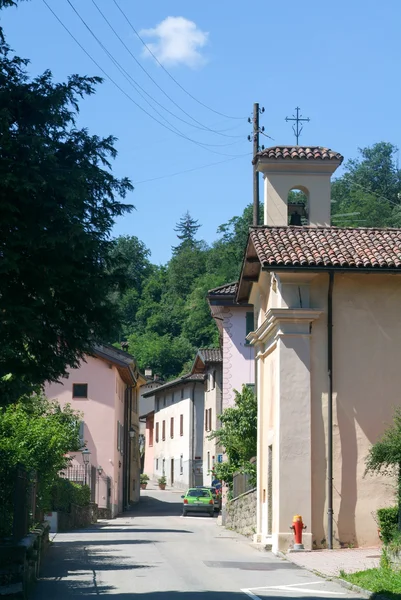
(82, 474)
(18, 492)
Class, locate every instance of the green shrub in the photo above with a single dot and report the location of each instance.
(144, 478)
(388, 523)
(65, 493)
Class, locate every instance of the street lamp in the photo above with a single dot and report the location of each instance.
(85, 458)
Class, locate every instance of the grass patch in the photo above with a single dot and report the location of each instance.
(382, 581)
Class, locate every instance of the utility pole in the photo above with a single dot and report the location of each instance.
(297, 127)
(255, 139)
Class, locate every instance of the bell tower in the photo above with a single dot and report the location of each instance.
(308, 169)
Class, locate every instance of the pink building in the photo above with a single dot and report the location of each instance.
(105, 389)
(234, 321)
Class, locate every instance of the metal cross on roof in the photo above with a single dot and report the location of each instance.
(297, 127)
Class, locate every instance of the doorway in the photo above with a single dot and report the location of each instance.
(172, 471)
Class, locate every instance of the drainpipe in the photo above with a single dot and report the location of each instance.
(330, 413)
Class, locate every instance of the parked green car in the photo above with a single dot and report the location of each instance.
(198, 500)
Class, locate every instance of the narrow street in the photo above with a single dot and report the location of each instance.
(156, 554)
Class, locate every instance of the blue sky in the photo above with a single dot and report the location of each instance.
(337, 61)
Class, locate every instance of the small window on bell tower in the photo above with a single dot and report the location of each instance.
(297, 202)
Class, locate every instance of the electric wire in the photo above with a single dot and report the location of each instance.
(122, 90)
(219, 162)
(199, 124)
(168, 72)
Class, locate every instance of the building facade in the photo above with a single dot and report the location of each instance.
(105, 389)
(234, 322)
(326, 338)
(208, 362)
(178, 431)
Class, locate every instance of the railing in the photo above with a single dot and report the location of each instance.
(18, 491)
(82, 474)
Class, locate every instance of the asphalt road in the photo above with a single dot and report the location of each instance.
(153, 553)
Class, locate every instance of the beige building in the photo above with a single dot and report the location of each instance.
(208, 362)
(327, 345)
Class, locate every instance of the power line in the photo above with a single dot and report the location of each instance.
(168, 72)
(122, 90)
(220, 162)
(134, 84)
(200, 125)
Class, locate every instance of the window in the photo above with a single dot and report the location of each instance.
(172, 427)
(181, 424)
(164, 462)
(158, 404)
(157, 462)
(151, 433)
(172, 398)
(182, 393)
(181, 464)
(208, 419)
(164, 400)
(82, 433)
(79, 390)
(164, 430)
(250, 325)
(120, 437)
(157, 432)
(208, 462)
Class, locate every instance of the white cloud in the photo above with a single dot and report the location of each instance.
(178, 42)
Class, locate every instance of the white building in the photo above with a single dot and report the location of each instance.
(178, 431)
(208, 362)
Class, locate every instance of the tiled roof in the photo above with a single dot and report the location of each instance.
(179, 381)
(229, 289)
(211, 355)
(336, 247)
(299, 153)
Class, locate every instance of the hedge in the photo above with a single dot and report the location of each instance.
(65, 493)
(388, 523)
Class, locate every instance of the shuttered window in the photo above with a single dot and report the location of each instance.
(157, 432)
(250, 325)
(172, 427)
(164, 430)
(181, 424)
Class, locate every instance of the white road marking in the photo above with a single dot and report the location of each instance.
(250, 594)
(292, 587)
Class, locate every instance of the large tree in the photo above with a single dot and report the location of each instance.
(58, 203)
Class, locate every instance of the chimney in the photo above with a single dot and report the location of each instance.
(148, 372)
(125, 346)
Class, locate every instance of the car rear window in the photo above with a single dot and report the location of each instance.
(198, 493)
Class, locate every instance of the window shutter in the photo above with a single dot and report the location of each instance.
(157, 432)
(181, 424)
(172, 427)
(82, 433)
(249, 324)
(118, 436)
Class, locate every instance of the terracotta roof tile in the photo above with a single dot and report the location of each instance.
(360, 248)
(229, 289)
(298, 153)
(211, 354)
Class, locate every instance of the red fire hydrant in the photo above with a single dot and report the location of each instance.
(297, 526)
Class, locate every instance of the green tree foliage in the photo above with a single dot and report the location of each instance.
(238, 436)
(371, 188)
(58, 203)
(186, 230)
(38, 433)
(385, 456)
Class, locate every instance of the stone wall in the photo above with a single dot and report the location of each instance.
(240, 514)
(79, 517)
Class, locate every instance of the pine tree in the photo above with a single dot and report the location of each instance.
(186, 229)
